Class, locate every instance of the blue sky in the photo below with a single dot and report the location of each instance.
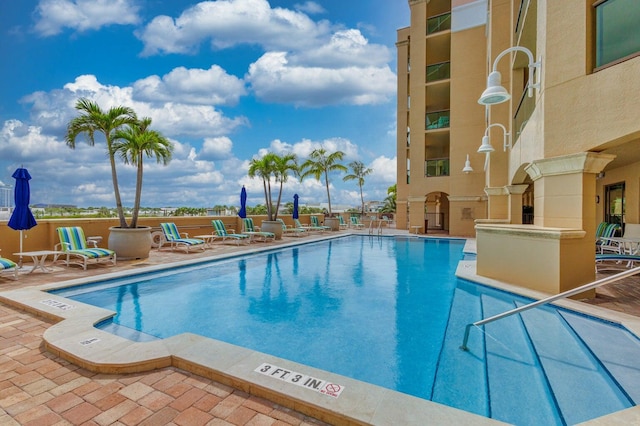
(224, 80)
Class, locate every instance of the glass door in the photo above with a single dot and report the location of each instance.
(614, 203)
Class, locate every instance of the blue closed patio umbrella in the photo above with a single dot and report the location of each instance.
(243, 203)
(295, 206)
(22, 218)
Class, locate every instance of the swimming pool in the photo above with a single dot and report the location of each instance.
(386, 311)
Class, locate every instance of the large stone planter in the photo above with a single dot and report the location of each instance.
(272, 226)
(130, 243)
(332, 222)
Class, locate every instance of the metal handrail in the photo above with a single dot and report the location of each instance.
(592, 285)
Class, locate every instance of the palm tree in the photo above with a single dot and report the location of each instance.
(263, 168)
(320, 164)
(359, 171)
(390, 202)
(94, 120)
(133, 144)
(278, 167)
(282, 165)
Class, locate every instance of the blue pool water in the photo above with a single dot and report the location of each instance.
(389, 311)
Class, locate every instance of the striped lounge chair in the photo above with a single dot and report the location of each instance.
(343, 224)
(221, 233)
(255, 232)
(355, 223)
(74, 246)
(8, 267)
(316, 223)
(176, 240)
(292, 232)
(309, 228)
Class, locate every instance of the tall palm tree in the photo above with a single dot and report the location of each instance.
(390, 202)
(278, 167)
(133, 144)
(321, 164)
(282, 165)
(263, 168)
(359, 172)
(92, 120)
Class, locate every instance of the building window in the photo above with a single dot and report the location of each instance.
(437, 167)
(617, 30)
(441, 71)
(439, 23)
(437, 120)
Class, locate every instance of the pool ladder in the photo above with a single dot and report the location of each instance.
(372, 228)
(547, 300)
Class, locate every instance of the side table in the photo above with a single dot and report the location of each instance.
(39, 257)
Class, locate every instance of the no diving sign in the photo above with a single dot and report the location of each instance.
(318, 385)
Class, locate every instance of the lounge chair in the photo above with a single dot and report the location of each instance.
(309, 228)
(616, 261)
(604, 242)
(316, 223)
(76, 248)
(291, 231)
(255, 232)
(343, 224)
(177, 240)
(8, 267)
(355, 223)
(221, 232)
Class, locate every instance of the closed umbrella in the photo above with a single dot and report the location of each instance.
(243, 203)
(295, 206)
(22, 218)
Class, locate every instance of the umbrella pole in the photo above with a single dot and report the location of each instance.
(20, 261)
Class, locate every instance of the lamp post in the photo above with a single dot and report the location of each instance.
(495, 93)
(486, 146)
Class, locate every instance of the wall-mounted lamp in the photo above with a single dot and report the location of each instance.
(467, 166)
(486, 142)
(495, 93)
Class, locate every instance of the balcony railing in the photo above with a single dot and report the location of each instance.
(436, 167)
(439, 23)
(525, 109)
(438, 120)
(439, 71)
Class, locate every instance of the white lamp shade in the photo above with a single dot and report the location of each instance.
(467, 166)
(494, 93)
(486, 145)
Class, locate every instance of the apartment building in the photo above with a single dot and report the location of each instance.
(542, 95)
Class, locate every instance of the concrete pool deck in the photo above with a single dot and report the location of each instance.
(104, 384)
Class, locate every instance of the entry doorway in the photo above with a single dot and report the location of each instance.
(614, 203)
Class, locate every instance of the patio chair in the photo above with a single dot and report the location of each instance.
(76, 248)
(255, 232)
(178, 240)
(291, 231)
(9, 268)
(355, 223)
(343, 224)
(222, 233)
(605, 242)
(309, 228)
(316, 223)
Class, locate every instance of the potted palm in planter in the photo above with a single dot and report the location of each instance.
(132, 140)
(277, 167)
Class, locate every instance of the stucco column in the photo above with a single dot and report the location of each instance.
(515, 202)
(497, 203)
(416, 213)
(401, 215)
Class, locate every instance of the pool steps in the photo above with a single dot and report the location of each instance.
(540, 355)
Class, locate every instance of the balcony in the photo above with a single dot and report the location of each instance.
(438, 120)
(439, 23)
(436, 167)
(440, 71)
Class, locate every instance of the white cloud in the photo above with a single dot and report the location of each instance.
(310, 7)
(227, 23)
(216, 148)
(82, 15)
(53, 110)
(192, 86)
(273, 79)
(384, 170)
